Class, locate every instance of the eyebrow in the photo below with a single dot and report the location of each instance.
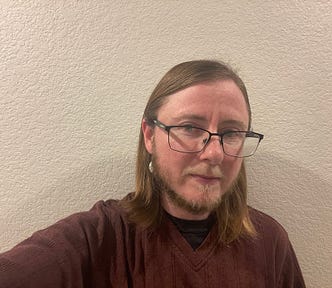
(235, 123)
(199, 118)
(190, 117)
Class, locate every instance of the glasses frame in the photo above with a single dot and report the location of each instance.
(167, 128)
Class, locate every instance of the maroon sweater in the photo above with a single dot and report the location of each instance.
(99, 248)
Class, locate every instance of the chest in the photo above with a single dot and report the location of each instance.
(167, 260)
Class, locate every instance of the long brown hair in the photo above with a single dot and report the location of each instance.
(144, 206)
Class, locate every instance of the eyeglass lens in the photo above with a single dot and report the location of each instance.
(191, 139)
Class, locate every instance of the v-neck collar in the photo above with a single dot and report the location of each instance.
(181, 248)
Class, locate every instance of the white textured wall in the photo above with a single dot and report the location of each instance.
(75, 75)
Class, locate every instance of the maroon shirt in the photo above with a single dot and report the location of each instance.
(99, 248)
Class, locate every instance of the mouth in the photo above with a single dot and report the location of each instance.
(206, 179)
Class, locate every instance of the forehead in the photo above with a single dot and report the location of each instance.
(218, 101)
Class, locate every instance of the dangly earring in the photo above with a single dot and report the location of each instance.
(151, 167)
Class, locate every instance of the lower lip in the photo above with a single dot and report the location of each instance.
(205, 180)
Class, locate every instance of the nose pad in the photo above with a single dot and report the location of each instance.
(205, 141)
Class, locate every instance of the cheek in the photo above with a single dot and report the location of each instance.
(170, 162)
(164, 153)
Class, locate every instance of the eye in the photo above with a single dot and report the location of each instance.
(189, 131)
(230, 131)
(234, 136)
(188, 128)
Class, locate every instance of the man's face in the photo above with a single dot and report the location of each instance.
(196, 182)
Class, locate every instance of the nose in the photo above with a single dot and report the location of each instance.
(213, 151)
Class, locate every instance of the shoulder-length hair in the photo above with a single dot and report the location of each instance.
(143, 206)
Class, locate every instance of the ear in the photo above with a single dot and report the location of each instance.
(148, 135)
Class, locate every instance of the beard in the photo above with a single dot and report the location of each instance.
(206, 202)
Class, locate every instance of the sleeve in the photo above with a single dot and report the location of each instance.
(61, 255)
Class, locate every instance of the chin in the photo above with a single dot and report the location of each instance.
(203, 199)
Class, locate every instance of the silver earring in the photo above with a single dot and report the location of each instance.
(151, 167)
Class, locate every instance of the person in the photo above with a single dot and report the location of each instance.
(187, 224)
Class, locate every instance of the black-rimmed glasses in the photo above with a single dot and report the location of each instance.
(191, 139)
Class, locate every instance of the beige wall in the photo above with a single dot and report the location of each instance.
(75, 75)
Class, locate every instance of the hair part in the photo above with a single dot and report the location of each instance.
(143, 206)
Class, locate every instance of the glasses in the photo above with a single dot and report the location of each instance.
(190, 139)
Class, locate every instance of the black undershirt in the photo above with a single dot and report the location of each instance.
(194, 231)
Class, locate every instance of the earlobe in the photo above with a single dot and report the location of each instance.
(148, 135)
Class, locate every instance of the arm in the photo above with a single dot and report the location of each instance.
(67, 254)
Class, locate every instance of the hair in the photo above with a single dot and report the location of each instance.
(143, 206)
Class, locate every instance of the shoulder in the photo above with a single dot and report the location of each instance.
(278, 250)
(262, 220)
(109, 212)
(83, 227)
(268, 228)
(108, 208)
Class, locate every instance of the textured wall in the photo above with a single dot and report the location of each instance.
(75, 75)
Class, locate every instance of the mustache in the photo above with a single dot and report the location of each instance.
(213, 172)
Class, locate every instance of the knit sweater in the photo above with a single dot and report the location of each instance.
(100, 248)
